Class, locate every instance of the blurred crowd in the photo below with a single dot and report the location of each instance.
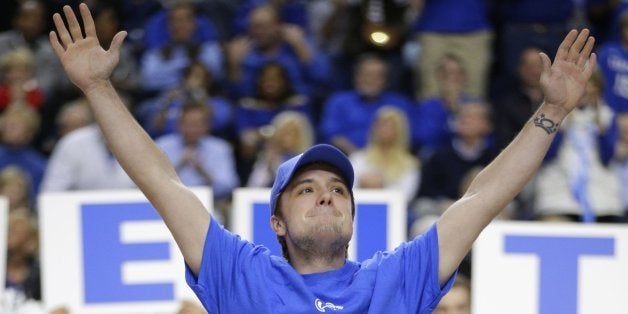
(420, 94)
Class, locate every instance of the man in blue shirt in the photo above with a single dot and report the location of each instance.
(312, 202)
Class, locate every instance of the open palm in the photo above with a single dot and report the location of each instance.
(564, 81)
(85, 61)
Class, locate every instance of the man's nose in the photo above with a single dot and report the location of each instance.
(325, 198)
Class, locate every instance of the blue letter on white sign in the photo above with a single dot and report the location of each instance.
(558, 263)
(104, 254)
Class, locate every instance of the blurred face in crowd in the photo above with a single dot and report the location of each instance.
(386, 130)
(530, 67)
(182, 23)
(194, 124)
(31, 20)
(22, 233)
(271, 82)
(107, 25)
(451, 76)
(72, 117)
(472, 121)
(288, 136)
(197, 77)
(18, 72)
(264, 27)
(18, 128)
(370, 77)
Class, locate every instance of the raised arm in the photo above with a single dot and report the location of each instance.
(89, 66)
(563, 84)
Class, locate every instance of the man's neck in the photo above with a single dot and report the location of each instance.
(314, 259)
(316, 265)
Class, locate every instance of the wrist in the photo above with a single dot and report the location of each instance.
(549, 117)
(97, 87)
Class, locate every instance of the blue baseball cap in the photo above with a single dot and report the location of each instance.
(318, 153)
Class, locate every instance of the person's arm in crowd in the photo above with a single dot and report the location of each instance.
(563, 83)
(89, 66)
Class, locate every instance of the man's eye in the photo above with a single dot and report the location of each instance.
(338, 190)
(305, 190)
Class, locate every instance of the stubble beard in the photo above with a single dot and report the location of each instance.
(325, 240)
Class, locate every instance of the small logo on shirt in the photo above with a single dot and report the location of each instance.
(324, 306)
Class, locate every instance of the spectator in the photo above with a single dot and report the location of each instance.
(16, 187)
(433, 119)
(444, 173)
(19, 86)
(18, 126)
(22, 268)
(199, 158)
(30, 31)
(72, 115)
(576, 183)
(386, 161)
(159, 29)
(290, 12)
(612, 57)
(459, 28)
(162, 67)
(515, 105)
(267, 40)
(81, 160)
(274, 94)
(347, 115)
(289, 134)
(160, 115)
(107, 19)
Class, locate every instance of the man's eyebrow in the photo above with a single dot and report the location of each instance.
(302, 181)
(310, 180)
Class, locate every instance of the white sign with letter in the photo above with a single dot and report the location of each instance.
(548, 268)
(110, 252)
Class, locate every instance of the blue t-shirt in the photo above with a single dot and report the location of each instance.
(237, 276)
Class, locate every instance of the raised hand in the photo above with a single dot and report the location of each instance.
(564, 81)
(85, 61)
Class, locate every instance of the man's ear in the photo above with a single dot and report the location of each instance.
(278, 225)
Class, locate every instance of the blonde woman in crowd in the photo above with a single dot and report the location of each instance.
(22, 286)
(19, 85)
(18, 126)
(386, 161)
(289, 134)
(15, 186)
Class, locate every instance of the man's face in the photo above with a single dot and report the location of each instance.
(316, 208)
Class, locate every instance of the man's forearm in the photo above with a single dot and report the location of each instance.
(143, 161)
(504, 178)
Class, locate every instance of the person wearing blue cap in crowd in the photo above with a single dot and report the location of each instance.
(312, 202)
